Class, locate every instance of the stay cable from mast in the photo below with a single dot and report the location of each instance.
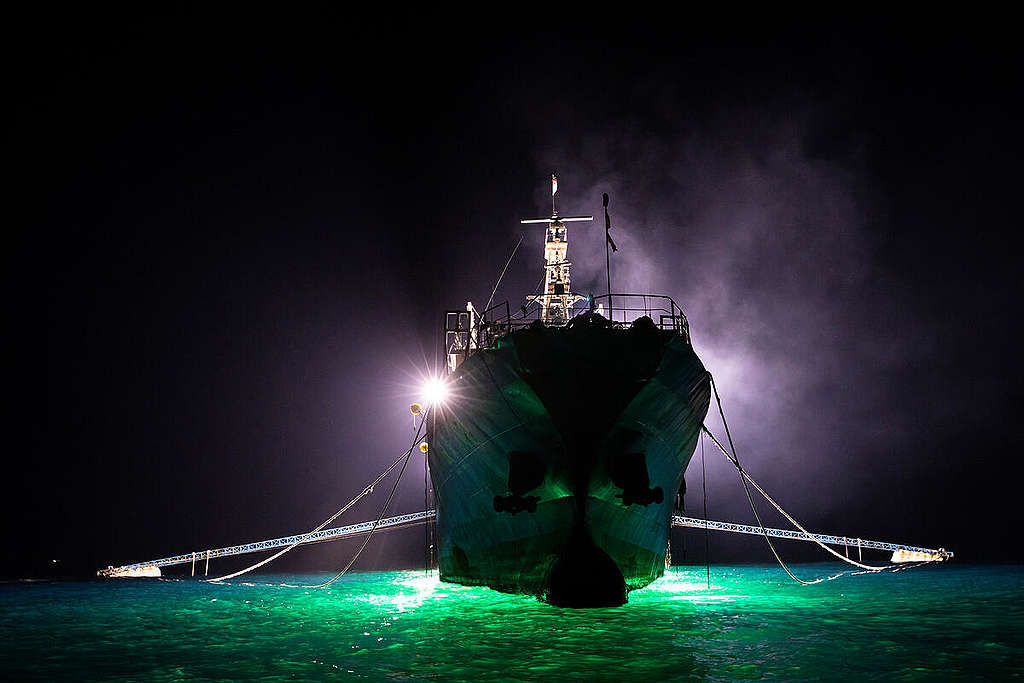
(500, 277)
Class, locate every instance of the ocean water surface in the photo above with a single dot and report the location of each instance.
(932, 623)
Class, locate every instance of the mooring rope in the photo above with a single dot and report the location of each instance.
(800, 527)
(366, 491)
(753, 508)
(383, 510)
(745, 477)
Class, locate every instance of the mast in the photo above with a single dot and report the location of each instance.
(557, 298)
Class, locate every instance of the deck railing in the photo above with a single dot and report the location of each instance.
(469, 330)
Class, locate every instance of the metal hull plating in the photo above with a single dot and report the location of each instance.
(556, 465)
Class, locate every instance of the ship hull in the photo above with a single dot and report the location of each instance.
(556, 463)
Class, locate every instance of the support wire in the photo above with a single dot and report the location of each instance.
(383, 510)
(366, 491)
(707, 531)
(745, 478)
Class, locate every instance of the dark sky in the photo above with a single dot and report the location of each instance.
(231, 247)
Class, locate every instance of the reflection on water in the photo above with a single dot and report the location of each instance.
(752, 622)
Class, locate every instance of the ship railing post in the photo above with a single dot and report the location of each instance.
(206, 572)
(193, 564)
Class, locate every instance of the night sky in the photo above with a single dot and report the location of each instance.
(230, 248)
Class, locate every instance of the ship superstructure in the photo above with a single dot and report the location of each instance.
(557, 299)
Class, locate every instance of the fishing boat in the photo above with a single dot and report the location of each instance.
(557, 459)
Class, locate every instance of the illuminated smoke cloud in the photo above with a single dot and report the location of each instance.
(767, 250)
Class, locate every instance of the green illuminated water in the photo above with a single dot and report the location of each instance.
(937, 623)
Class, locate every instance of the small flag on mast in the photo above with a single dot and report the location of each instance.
(554, 184)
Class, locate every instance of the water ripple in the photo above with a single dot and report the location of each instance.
(934, 623)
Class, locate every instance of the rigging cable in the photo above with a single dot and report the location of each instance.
(800, 527)
(753, 508)
(745, 477)
(383, 510)
(707, 531)
(537, 288)
(493, 291)
(426, 504)
(366, 491)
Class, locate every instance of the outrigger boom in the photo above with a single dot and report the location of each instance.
(901, 552)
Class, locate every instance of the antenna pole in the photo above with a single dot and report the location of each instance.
(607, 253)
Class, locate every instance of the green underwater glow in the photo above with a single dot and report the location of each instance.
(930, 623)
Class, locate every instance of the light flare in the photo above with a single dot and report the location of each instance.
(434, 392)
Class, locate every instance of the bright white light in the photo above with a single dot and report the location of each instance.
(434, 392)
